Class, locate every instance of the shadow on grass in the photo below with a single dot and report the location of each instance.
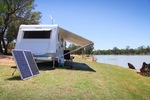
(13, 66)
(80, 66)
(72, 66)
(44, 66)
(13, 73)
(14, 78)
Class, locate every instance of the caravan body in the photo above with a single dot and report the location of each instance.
(44, 41)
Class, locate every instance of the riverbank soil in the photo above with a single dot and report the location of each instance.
(7, 60)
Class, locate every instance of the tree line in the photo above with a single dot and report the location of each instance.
(142, 50)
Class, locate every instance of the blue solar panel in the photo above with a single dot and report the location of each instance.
(22, 64)
(33, 66)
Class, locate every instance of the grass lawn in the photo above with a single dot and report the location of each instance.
(107, 82)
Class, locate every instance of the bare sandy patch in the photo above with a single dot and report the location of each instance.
(7, 60)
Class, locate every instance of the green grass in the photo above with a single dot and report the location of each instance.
(107, 83)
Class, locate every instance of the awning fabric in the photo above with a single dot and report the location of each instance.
(73, 38)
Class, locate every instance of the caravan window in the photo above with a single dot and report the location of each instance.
(37, 34)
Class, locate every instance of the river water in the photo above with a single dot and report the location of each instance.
(123, 60)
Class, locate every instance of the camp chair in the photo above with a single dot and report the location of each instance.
(68, 58)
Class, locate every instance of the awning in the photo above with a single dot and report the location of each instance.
(73, 38)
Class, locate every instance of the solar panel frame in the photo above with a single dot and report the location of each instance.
(22, 64)
(32, 63)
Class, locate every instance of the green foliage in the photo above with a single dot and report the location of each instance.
(73, 47)
(13, 13)
(86, 50)
(89, 49)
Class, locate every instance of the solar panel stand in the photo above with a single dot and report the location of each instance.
(14, 71)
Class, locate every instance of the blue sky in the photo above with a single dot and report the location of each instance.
(108, 23)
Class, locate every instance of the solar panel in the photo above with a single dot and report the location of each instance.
(25, 63)
(22, 64)
(31, 61)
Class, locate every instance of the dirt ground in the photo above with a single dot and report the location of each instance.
(7, 60)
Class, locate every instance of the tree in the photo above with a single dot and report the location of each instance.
(148, 50)
(74, 47)
(116, 50)
(12, 14)
(89, 49)
(86, 50)
(142, 49)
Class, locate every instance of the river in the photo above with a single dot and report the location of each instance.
(123, 60)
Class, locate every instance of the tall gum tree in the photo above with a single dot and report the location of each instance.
(12, 14)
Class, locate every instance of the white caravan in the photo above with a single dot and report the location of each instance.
(47, 42)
